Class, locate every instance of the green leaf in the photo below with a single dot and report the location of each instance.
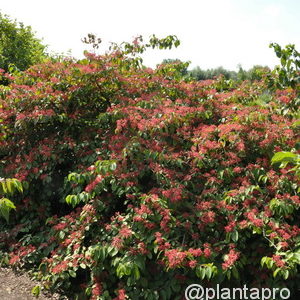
(128, 269)
(18, 185)
(286, 274)
(9, 186)
(113, 166)
(113, 252)
(36, 291)
(136, 272)
(201, 272)
(61, 234)
(296, 124)
(228, 274)
(208, 272)
(83, 266)
(72, 200)
(72, 273)
(283, 156)
(235, 272)
(276, 272)
(235, 236)
(263, 260)
(296, 256)
(120, 270)
(5, 207)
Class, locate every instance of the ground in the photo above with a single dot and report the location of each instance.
(18, 286)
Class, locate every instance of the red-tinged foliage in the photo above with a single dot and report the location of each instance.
(171, 179)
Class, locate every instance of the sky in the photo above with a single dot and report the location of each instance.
(213, 33)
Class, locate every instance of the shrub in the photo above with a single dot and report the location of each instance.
(141, 182)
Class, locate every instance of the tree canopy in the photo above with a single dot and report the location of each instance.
(19, 46)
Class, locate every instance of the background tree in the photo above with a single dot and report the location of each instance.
(254, 73)
(18, 45)
(200, 74)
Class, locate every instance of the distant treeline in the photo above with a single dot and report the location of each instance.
(252, 74)
(255, 73)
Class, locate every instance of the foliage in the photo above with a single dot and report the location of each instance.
(200, 74)
(289, 70)
(142, 182)
(288, 157)
(18, 45)
(255, 73)
(176, 65)
(7, 188)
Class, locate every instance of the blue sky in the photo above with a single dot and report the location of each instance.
(213, 32)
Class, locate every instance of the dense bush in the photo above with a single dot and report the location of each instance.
(141, 182)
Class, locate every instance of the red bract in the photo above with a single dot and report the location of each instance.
(230, 259)
(175, 257)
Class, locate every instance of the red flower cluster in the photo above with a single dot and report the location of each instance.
(230, 259)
